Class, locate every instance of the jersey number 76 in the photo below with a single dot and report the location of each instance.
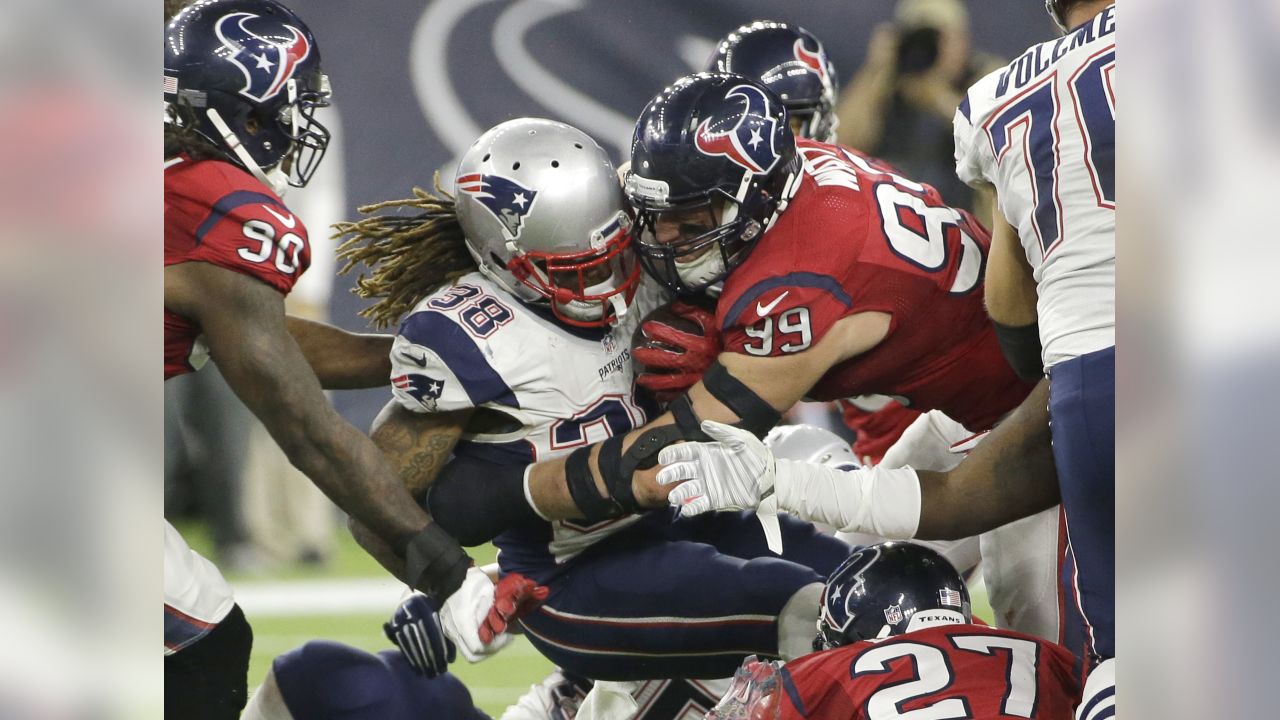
(1034, 116)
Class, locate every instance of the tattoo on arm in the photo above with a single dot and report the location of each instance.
(417, 444)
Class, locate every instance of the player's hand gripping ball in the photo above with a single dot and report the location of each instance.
(673, 346)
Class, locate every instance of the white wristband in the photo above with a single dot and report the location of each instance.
(873, 500)
(528, 494)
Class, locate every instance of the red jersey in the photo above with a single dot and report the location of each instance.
(877, 429)
(215, 212)
(943, 671)
(857, 237)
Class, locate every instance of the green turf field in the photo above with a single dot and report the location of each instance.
(494, 684)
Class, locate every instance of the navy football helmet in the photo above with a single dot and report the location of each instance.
(713, 163)
(792, 63)
(250, 72)
(889, 589)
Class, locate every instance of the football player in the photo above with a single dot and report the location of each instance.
(242, 84)
(792, 63)
(324, 679)
(516, 303)
(896, 639)
(839, 278)
(1041, 132)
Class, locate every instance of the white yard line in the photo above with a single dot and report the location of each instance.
(298, 598)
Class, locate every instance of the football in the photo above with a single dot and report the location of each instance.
(673, 345)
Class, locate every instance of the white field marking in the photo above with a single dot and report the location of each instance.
(297, 598)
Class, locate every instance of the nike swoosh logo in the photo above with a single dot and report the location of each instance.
(763, 310)
(419, 360)
(288, 222)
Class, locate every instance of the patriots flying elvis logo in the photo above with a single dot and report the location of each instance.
(508, 200)
(747, 145)
(423, 388)
(267, 63)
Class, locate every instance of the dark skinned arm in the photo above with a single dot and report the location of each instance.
(1008, 476)
(418, 445)
(343, 360)
(243, 322)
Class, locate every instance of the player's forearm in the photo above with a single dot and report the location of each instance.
(377, 548)
(343, 360)
(549, 491)
(346, 465)
(1008, 476)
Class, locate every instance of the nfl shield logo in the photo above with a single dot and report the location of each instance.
(893, 614)
(609, 344)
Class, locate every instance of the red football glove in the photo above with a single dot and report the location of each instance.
(687, 358)
(513, 597)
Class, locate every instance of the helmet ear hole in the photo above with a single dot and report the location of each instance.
(516, 166)
(555, 163)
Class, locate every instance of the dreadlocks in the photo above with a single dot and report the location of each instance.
(409, 257)
(181, 138)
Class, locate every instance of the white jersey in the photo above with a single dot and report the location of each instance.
(1042, 131)
(474, 345)
(196, 597)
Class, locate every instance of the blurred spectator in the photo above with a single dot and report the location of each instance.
(900, 103)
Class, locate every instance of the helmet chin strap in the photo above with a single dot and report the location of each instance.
(277, 184)
(619, 307)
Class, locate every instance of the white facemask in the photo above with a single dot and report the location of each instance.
(592, 310)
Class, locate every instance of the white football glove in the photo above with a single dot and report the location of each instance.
(465, 613)
(734, 473)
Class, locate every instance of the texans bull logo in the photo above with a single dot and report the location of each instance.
(508, 200)
(749, 145)
(267, 62)
(835, 609)
(814, 61)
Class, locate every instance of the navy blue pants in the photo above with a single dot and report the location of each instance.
(687, 599)
(1082, 417)
(325, 679)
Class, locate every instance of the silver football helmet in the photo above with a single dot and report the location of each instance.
(812, 444)
(545, 218)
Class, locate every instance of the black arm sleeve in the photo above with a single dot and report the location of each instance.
(1021, 347)
(475, 501)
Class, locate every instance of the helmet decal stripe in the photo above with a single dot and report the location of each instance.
(812, 60)
(750, 147)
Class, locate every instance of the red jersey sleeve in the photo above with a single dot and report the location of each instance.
(783, 314)
(795, 285)
(219, 214)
